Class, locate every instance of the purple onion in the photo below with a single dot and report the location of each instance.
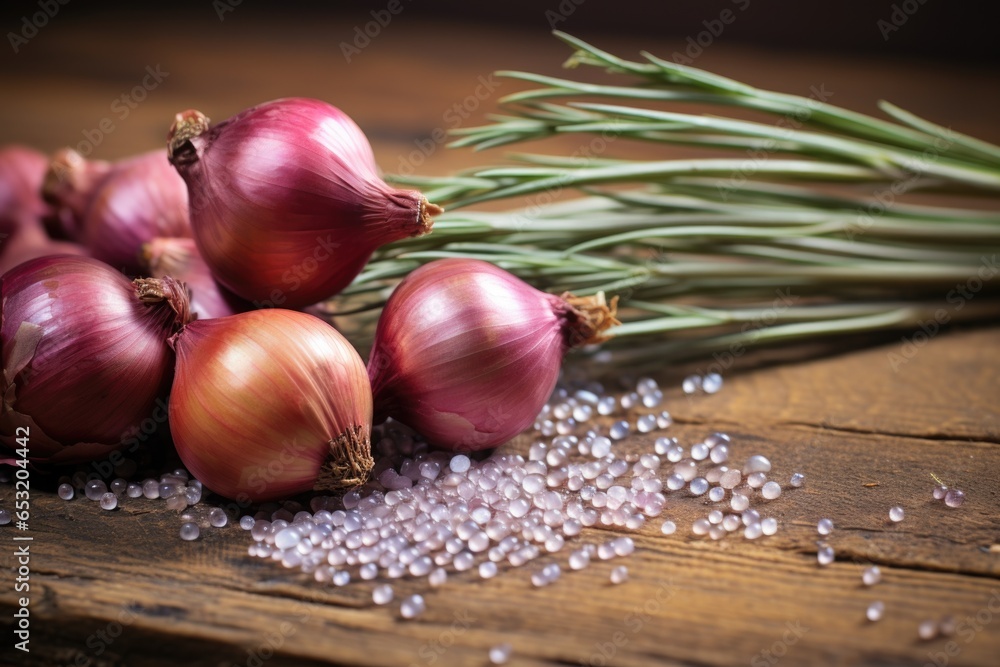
(85, 355)
(467, 354)
(179, 259)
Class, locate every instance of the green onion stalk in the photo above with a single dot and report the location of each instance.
(813, 237)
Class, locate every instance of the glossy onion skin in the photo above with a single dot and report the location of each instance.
(261, 400)
(21, 173)
(286, 203)
(466, 353)
(85, 361)
(142, 198)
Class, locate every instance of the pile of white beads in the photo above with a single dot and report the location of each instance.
(428, 513)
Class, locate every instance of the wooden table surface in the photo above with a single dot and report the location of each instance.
(122, 589)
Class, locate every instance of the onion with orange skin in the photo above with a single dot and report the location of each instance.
(270, 403)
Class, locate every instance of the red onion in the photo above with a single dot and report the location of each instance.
(286, 203)
(467, 354)
(85, 358)
(21, 172)
(115, 209)
(270, 403)
(179, 259)
(69, 185)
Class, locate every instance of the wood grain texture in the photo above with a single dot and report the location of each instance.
(121, 588)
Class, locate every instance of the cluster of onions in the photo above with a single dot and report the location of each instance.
(114, 208)
(85, 354)
(178, 258)
(270, 403)
(467, 354)
(21, 209)
(286, 202)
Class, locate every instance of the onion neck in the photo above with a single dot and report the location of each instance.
(188, 125)
(587, 318)
(153, 291)
(68, 186)
(393, 215)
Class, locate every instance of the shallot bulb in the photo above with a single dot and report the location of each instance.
(30, 241)
(179, 259)
(467, 354)
(270, 403)
(85, 355)
(69, 185)
(286, 202)
(21, 173)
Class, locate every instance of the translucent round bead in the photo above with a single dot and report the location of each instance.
(247, 522)
(940, 491)
(699, 451)
(720, 454)
(896, 514)
(652, 400)
(5, 517)
(701, 527)
(825, 555)
(753, 530)
(757, 463)
(714, 517)
(668, 528)
(189, 531)
(606, 405)
(691, 384)
(341, 578)
(716, 494)
(109, 501)
(769, 526)
(94, 489)
(927, 629)
(675, 482)
(824, 527)
(623, 546)
(438, 577)
(954, 498)
(500, 654)
(133, 490)
(750, 516)
(579, 559)
(698, 486)
(797, 480)
(730, 479)
(645, 423)
(287, 538)
(151, 489)
(118, 486)
(771, 490)
(487, 570)
(368, 571)
(66, 491)
(711, 383)
(664, 420)
(755, 480)
(217, 517)
(619, 574)
(731, 522)
(619, 430)
(739, 502)
(875, 611)
(871, 576)
(382, 594)
(460, 463)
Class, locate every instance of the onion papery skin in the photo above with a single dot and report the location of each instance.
(286, 203)
(21, 172)
(68, 187)
(179, 259)
(85, 355)
(467, 354)
(270, 403)
(142, 198)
